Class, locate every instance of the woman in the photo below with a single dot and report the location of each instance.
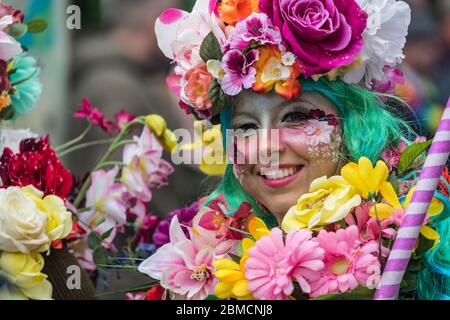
(303, 86)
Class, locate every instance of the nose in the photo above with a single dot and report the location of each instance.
(270, 146)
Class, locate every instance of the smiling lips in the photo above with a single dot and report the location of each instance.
(277, 177)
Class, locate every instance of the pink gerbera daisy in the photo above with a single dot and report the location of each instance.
(348, 263)
(272, 264)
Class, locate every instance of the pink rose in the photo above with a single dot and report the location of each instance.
(196, 89)
(324, 34)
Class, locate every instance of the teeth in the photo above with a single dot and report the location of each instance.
(275, 174)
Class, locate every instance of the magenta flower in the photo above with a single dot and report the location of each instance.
(122, 118)
(254, 28)
(239, 72)
(347, 263)
(93, 115)
(323, 34)
(392, 77)
(272, 264)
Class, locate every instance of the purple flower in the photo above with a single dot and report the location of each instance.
(323, 34)
(238, 71)
(393, 77)
(185, 217)
(254, 28)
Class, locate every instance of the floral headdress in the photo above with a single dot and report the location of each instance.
(223, 47)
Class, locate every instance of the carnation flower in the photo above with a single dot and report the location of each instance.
(272, 264)
(347, 263)
(35, 164)
(384, 39)
(323, 34)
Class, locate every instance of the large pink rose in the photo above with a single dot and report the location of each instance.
(324, 34)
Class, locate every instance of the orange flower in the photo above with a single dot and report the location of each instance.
(5, 101)
(272, 71)
(233, 11)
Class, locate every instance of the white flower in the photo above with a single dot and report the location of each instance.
(288, 59)
(10, 138)
(22, 223)
(9, 47)
(384, 39)
(180, 34)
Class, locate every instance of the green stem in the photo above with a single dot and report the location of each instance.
(105, 157)
(111, 164)
(380, 238)
(74, 141)
(84, 145)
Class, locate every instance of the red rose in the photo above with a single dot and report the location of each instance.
(36, 164)
(154, 293)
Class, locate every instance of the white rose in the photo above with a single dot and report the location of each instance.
(22, 224)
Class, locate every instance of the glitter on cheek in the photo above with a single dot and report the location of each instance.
(317, 139)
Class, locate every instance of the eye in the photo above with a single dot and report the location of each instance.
(295, 117)
(246, 126)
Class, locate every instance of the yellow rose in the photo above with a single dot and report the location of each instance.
(59, 220)
(22, 223)
(328, 201)
(24, 272)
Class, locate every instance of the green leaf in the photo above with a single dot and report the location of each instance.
(235, 258)
(94, 240)
(7, 113)
(239, 249)
(218, 98)
(210, 48)
(359, 293)
(211, 297)
(36, 25)
(411, 154)
(17, 30)
(100, 256)
(107, 234)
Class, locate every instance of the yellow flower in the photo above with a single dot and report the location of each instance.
(158, 127)
(59, 220)
(231, 275)
(328, 201)
(393, 205)
(365, 177)
(24, 272)
(213, 162)
(156, 124)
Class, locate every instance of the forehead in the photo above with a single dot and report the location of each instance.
(250, 102)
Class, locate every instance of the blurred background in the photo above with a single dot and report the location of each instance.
(115, 62)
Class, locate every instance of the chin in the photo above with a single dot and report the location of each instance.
(280, 205)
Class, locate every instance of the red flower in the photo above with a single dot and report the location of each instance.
(155, 293)
(122, 118)
(442, 185)
(94, 116)
(36, 164)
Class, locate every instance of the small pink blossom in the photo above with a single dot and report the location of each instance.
(347, 262)
(122, 118)
(318, 132)
(145, 168)
(392, 77)
(93, 115)
(273, 263)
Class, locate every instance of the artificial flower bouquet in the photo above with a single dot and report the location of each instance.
(223, 47)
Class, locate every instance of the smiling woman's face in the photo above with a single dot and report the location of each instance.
(306, 146)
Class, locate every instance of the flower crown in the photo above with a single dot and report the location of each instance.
(223, 47)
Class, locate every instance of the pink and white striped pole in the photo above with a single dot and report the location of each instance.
(415, 213)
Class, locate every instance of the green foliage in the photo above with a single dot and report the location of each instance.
(37, 25)
(210, 48)
(410, 155)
